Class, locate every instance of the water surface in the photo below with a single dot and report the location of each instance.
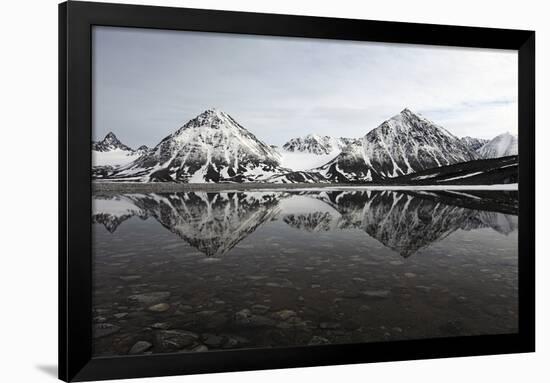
(197, 271)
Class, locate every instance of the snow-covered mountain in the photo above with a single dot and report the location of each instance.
(109, 143)
(211, 147)
(111, 152)
(315, 144)
(312, 151)
(474, 143)
(503, 145)
(404, 144)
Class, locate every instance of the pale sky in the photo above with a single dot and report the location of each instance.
(147, 83)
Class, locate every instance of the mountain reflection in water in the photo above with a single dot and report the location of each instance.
(405, 222)
(198, 271)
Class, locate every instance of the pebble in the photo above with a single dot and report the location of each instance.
(160, 325)
(159, 308)
(140, 347)
(236, 341)
(212, 340)
(285, 314)
(200, 348)
(174, 340)
(260, 309)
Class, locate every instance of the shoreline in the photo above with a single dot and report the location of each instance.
(171, 187)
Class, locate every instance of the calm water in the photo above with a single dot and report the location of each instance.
(204, 271)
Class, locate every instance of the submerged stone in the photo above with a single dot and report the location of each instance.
(140, 347)
(159, 307)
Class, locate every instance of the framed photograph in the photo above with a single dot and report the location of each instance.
(246, 191)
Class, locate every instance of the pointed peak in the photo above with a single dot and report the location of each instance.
(110, 136)
(407, 111)
(507, 133)
(111, 139)
(405, 114)
(213, 111)
(110, 142)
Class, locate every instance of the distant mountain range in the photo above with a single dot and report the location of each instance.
(315, 144)
(474, 143)
(110, 152)
(214, 147)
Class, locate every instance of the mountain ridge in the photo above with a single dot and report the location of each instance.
(214, 148)
(406, 143)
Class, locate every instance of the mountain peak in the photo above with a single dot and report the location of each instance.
(404, 144)
(109, 142)
(211, 147)
(316, 144)
(405, 118)
(213, 116)
(505, 144)
(507, 134)
(111, 138)
(408, 114)
(313, 136)
(213, 112)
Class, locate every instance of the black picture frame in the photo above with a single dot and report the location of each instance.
(75, 258)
